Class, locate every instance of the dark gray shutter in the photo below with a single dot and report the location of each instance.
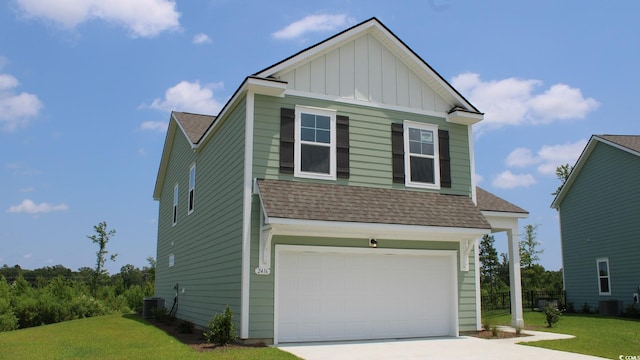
(287, 141)
(445, 160)
(342, 146)
(397, 153)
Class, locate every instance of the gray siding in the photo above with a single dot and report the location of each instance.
(600, 217)
(207, 244)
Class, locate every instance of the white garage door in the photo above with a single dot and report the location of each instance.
(325, 293)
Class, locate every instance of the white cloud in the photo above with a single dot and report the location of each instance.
(509, 180)
(553, 156)
(201, 38)
(143, 18)
(27, 189)
(190, 97)
(313, 23)
(512, 101)
(28, 256)
(548, 157)
(521, 157)
(29, 207)
(16, 110)
(159, 126)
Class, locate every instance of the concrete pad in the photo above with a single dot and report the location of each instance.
(464, 347)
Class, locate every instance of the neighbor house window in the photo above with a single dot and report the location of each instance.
(604, 279)
(421, 155)
(192, 187)
(315, 142)
(175, 204)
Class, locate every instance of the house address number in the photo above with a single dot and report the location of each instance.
(263, 271)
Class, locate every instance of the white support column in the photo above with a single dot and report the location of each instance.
(514, 277)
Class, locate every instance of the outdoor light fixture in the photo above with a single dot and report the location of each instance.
(373, 243)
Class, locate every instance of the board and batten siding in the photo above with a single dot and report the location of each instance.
(207, 244)
(369, 143)
(365, 69)
(600, 217)
(262, 287)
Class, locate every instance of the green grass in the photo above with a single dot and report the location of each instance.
(113, 337)
(596, 335)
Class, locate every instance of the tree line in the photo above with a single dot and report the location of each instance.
(55, 293)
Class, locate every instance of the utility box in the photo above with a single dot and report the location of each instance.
(610, 307)
(150, 304)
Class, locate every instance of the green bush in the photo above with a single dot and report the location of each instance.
(163, 316)
(134, 297)
(552, 314)
(186, 327)
(220, 329)
(586, 308)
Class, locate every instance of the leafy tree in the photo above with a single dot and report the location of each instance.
(529, 247)
(562, 172)
(489, 263)
(101, 237)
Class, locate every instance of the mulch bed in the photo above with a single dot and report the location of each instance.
(487, 334)
(195, 339)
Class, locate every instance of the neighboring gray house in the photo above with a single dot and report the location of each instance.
(332, 198)
(599, 208)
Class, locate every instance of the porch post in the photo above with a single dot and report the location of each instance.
(514, 278)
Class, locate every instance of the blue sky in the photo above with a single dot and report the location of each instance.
(86, 88)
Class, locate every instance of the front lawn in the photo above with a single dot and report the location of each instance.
(596, 335)
(113, 337)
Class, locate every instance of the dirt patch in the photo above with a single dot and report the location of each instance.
(195, 339)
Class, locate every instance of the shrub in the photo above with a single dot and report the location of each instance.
(186, 327)
(632, 310)
(134, 296)
(220, 328)
(586, 308)
(570, 308)
(552, 314)
(163, 316)
(487, 323)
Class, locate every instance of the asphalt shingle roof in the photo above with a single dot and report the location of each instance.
(629, 141)
(195, 125)
(490, 202)
(330, 202)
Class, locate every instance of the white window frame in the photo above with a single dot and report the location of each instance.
(174, 209)
(298, 143)
(192, 187)
(172, 260)
(407, 155)
(608, 277)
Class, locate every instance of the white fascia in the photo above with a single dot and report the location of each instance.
(464, 117)
(297, 227)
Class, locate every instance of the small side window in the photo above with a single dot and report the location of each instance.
(175, 204)
(171, 260)
(604, 278)
(192, 188)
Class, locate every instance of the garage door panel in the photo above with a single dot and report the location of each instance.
(332, 294)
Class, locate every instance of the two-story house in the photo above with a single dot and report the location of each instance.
(599, 208)
(332, 198)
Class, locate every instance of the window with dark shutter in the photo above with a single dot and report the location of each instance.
(445, 160)
(342, 146)
(287, 141)
(397, 150)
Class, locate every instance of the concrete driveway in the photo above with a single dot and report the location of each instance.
(459, 348)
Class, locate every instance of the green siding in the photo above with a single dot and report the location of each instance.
(599, 218)
(370, 143)
(370, 165)
(207, 243)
